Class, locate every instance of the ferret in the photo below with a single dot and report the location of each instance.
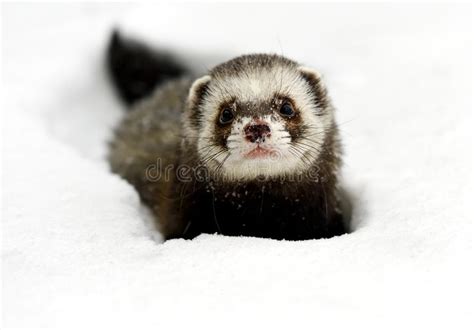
(250, 148)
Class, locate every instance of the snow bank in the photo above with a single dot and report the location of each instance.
(77, 251)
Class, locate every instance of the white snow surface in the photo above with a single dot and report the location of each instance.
(77, 250)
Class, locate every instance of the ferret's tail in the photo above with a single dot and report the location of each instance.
(136, 69)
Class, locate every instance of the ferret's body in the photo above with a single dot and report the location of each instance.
(199, 152)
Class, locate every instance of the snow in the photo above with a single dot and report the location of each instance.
(77, 250)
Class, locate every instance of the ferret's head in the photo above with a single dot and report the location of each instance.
(258, 115)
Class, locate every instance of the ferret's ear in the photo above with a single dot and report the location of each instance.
(198, 89)
(312, 76)
(314, 80)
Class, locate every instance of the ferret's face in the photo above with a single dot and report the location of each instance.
(268, 121)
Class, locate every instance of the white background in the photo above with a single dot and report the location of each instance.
(77, 251)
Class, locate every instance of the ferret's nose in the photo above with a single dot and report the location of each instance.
(257, 132)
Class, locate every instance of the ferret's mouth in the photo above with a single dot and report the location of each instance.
(260, 153)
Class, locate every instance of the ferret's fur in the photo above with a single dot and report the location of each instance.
(193, 170)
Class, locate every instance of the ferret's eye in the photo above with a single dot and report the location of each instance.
(227, 115)
(287, 110)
